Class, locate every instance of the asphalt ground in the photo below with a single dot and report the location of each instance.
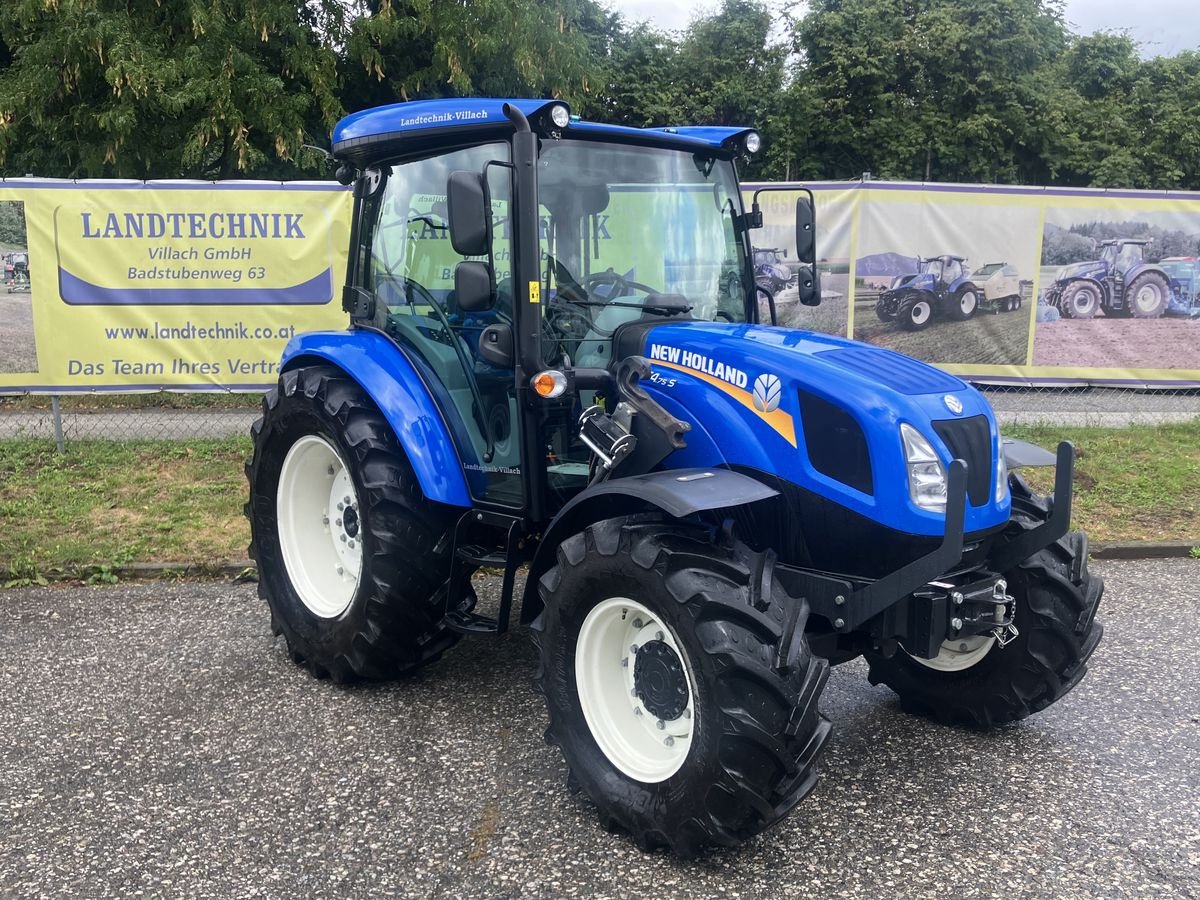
(155, 741)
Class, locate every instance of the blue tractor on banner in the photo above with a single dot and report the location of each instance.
(1120, 283)
(708, 511)
(941, 286)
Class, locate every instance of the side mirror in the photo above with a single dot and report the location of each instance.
(468, 215)
(472, 286)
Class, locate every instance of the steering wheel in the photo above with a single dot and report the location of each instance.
(621, 286)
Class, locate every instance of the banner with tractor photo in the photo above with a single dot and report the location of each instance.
(1006, 284)
(194, 286)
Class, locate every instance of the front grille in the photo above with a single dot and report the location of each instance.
(971, 441)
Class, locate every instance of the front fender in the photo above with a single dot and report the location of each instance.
(391, 381)
(677, 492)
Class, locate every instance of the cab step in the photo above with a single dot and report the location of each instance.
(471, 623)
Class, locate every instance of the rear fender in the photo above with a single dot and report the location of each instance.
(390, 380)
(678, 493)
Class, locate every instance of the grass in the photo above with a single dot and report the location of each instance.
(1131, 484)
(103, 504)
(216, 400)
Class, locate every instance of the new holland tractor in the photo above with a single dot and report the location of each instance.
(541, 376)
(940, 286)
(1120, 282)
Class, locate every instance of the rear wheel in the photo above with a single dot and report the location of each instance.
(915, 312)
(976, 682)
(679, 683)
(352, 560)
(1147, 295)
(1080, 300)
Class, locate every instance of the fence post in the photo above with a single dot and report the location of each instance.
(56, 413)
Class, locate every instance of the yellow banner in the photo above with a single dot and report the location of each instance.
(191, 286)
(170, 285)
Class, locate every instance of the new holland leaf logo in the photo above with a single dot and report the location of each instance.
(767, 391)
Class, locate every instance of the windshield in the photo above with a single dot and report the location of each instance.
(931, 267)
(632, 232)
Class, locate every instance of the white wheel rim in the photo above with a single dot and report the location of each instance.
(1084, 301)
(320, 530)
(639, 743)
(960, 654)
(967, 302)
(920, 312)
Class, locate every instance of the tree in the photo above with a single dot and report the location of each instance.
(162, 88)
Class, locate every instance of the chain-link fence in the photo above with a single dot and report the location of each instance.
(166, 416)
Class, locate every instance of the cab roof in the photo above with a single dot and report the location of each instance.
(421, 125)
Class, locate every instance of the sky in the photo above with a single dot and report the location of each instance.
(1163, 27)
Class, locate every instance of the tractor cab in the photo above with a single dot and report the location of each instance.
(945, 270)
(1122, 255)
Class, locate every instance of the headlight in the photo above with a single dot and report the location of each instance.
(896, 282)
(753, 142)
(927, 484)
(560, 115)
(1001, 475)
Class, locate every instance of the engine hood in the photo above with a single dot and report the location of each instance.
(1093, 268)
(742, 388)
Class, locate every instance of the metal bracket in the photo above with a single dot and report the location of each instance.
(1008, 556)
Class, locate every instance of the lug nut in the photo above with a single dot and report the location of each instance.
(839, 600)
(957, 598)
(963, 646)
(340, 570)
(633, 648)
(340, 507)
(637, 623)
(839, 623)
(658, 635)
(343, 539)
(661, 724)
(346, 501)
(337, 522)
(351, 545)
(670, 741)
(956, 623)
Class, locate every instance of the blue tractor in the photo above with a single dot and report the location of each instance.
(1121, 283)
(543, 374)
(940, 286)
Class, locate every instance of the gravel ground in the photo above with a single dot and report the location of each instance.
(155, 741)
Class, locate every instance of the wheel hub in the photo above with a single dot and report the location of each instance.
(659, 681)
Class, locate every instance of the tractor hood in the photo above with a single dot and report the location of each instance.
(918, 281)
(1093, 268)
(824, 413)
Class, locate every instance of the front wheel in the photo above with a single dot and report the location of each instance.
(1080, 300)
(679, 683)
(352, 560)
(977, 682)
(915, 313)
(1147, 295)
